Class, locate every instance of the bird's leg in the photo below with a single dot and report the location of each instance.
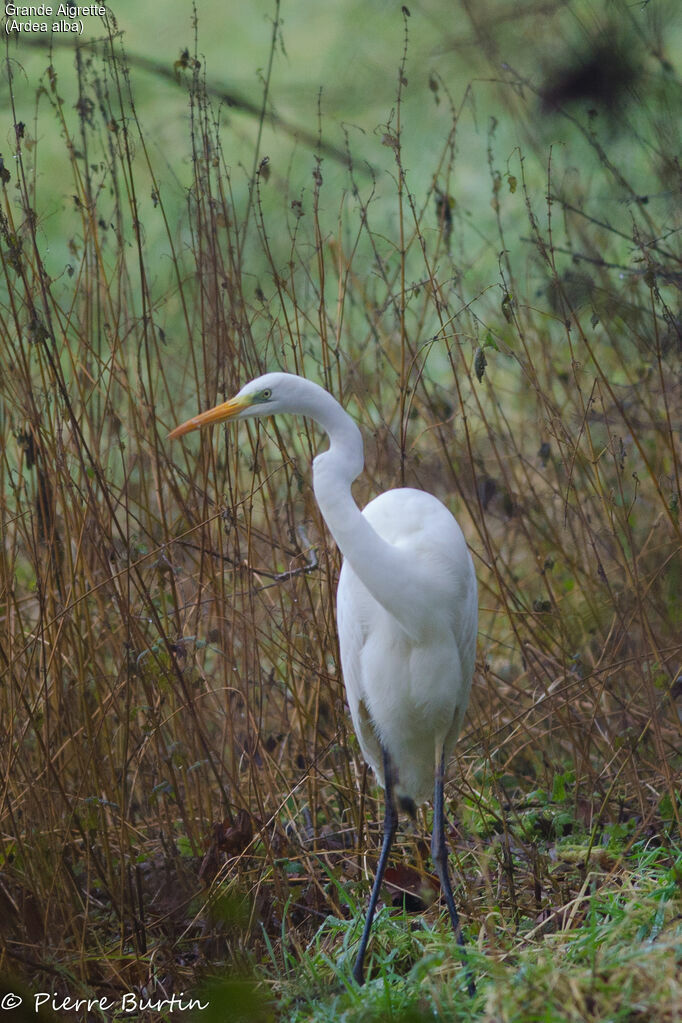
(390, 827)
(439, 855)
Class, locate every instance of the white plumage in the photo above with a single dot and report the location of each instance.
(410, 692)
(406, 611)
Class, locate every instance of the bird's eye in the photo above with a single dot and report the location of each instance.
(266, 394)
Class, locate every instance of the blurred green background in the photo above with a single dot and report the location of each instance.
(345, 57)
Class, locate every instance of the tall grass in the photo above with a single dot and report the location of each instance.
(173, 718)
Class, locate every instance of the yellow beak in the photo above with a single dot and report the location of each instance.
(228, 410)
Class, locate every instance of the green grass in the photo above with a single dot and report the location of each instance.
(612, 953)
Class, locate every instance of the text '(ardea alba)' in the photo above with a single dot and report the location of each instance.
(407, 615)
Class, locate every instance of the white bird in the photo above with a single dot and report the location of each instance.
(407, 613)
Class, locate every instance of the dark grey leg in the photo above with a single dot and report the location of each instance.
(439, 855)
(390, 826)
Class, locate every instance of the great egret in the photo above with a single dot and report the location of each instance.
(407, 614)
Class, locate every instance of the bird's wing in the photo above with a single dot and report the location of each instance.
(353, 629)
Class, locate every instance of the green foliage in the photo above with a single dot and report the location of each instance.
(623, 947)
(233, 1000)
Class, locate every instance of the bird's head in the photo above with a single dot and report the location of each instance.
(264, 396)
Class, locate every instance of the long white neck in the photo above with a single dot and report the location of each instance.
(333, 473)
(384, 569)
